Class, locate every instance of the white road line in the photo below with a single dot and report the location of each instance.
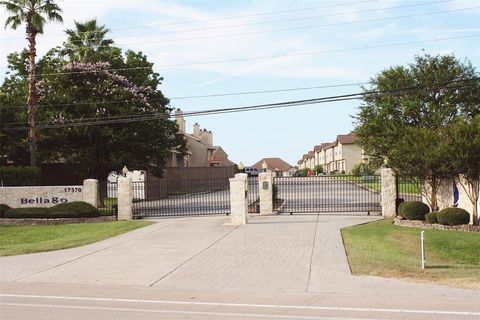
(248, 305)
(201, 313)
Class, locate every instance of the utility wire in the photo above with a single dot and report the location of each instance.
(233, 17)
(194, 96)
(156, 116)
(228, 35)
(286, 20)
(313, 52)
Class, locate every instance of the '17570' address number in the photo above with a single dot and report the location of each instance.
(73, 189)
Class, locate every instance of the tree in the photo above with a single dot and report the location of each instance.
(87, 42)
(34, 13)
(77, 99)
(465, 146)
(405, 110)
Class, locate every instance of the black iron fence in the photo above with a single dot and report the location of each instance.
(409, 189)
(253, 195)
(335, 193)
(108, 197)
(184, 197)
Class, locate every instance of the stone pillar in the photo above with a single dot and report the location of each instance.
(389, 193)
(239, 199)
(265, 188)
(90, 192)
(125, 197)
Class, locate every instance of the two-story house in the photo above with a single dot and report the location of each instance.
(200, 149)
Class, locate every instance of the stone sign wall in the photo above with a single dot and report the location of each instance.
(24, 197)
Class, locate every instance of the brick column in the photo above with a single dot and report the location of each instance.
(125, 197)
(265, 187)
(238, 199)
(90, 192)
(389, 193)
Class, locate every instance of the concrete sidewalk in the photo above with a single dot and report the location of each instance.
(289, 254)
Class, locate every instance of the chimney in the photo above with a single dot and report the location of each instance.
(180, 120)
(210, 138)
(196, 130)
(204, 136)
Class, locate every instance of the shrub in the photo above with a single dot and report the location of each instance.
(413, 210)
(77, 209)
(63, 210)
(318, 169)
(453, 216)
(431, 217)
(24, 213)
(3, 209)
(363, 169)
(19, 176)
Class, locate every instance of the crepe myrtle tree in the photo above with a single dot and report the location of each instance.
(98, 118)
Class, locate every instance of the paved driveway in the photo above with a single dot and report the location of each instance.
(290, 256)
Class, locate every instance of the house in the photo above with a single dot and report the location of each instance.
(341, 155)
(200, 149)
(277, 165)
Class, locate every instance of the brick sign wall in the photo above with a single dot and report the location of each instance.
(23, 197)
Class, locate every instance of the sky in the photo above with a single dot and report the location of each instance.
(222, 47)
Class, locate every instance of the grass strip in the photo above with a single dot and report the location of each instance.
(383, 249)
(16, 240)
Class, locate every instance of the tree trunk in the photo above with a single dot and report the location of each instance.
(32, 95)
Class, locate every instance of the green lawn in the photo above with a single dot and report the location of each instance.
(383, 249)
(28, 239)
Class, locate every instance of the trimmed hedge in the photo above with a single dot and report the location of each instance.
(453, 216)
(3, 209)
(431, 217)
(19, 176)
(413, 210)
(76, 209)
(25, 213)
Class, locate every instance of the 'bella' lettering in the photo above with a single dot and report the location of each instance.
(41, 200)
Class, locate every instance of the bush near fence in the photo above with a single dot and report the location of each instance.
(76, 209)
(19, 176)
(413, 210)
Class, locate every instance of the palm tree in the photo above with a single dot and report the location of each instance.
(87, 42)
(34, 13)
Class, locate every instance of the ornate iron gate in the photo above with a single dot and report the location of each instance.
(181, 197)
(330, 193)
(253, 195)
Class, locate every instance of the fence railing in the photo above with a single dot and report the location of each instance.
(108, 197)
(188, 197)
(253, 195)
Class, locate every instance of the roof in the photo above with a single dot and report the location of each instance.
(322, 146)
(347, 138)
(273, 164)
(311, 154)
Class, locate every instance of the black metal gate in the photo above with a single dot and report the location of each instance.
(181, 197)
(253, 195)
(330, 193)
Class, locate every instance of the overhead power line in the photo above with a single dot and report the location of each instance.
(285, 20)
(236, 16)
(304, 53)
(78, 104)
(156, 116)
(229, 35)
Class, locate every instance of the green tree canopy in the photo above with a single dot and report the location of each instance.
(88, 113)
(406, 109)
